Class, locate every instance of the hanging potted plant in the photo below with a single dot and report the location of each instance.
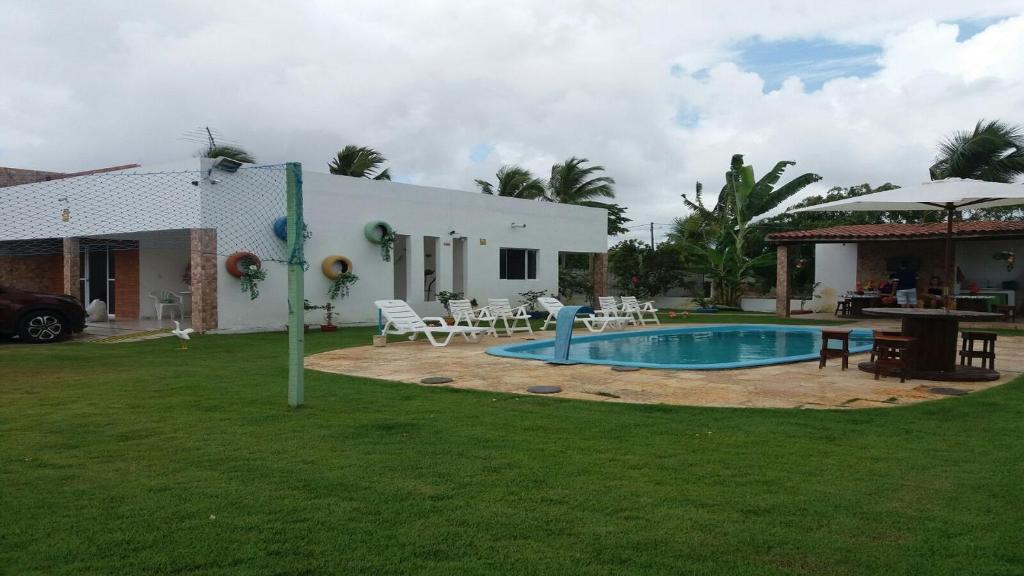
(340, 285)
(252, 275)
(1008, 256)
(387, 243)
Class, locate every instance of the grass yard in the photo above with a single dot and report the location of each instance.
(141, 459)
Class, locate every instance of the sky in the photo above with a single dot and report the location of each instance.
(661, 94)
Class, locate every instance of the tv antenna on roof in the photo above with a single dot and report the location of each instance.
(210, 137)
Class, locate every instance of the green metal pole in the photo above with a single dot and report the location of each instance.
(296, 288)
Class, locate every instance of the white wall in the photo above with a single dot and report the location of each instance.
(974, 257)
(835, 267)
(338, 207)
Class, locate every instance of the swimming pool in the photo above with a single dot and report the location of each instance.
(691, 348)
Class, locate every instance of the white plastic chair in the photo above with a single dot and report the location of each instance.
(165, 299)
(402, 319)
(609, 307)
(593, 323)
(463, 311)
(501, 309)
(640, 310)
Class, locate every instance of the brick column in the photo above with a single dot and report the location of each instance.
(204, 278)
(599, 274)
(72, 268)
(782, 281)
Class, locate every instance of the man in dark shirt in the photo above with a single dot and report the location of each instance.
(906, 286)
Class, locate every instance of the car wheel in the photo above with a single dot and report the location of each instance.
(42, 327)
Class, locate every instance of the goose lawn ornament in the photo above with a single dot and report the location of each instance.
(183, 335)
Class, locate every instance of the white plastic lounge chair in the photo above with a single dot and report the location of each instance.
(609, 307)
(501, 309)
(591, 322)
(463, 311)
(165, 299)
(402, 319)
(643, 311)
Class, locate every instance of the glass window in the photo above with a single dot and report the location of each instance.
(517, 264)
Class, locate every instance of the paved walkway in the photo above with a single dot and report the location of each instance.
(799, 385)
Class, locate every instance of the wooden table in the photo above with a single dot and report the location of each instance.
(935, 351)
(972, 303)
(860, 302)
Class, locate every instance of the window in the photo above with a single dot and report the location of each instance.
(518, 264)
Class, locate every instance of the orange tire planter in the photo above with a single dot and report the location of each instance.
(233, 263)
(329, 263)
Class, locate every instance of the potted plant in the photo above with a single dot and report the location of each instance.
(446, 296)
(387, 242)
(804, 297)
(529, 299)
(705, 305)
(252, 275)
(328, 309)
(341, 284)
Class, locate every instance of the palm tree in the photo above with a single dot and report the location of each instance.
(232, 152)
(572, 183)
(515, 182)
(360, 162)
(993, 151)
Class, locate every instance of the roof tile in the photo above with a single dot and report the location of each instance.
(901, 231)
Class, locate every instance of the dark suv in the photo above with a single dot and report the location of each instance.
(36, 317)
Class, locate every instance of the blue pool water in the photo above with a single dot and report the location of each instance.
(691, 348)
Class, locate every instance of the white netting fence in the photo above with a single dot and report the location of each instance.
(247, 207)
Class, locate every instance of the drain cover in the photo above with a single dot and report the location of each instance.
(436, 380)
(625, 368)
(948, 391)
(544, 389)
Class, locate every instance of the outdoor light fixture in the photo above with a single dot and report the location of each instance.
(514, 225)
(226, 165)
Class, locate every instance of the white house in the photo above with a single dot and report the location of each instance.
(124, 235)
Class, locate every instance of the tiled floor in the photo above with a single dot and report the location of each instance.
(799, 385)
(128, 329)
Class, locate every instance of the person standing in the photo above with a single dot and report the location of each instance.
(906, 286)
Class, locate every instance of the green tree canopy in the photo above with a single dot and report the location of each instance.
(638, 270)
(515, 182)
(573, 183)
(992, 151)
(360, 162)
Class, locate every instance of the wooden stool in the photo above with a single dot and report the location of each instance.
(843, 308)
(842, 336)
(893, 352)
(1009, 312)
(876, 334)
(987, 354)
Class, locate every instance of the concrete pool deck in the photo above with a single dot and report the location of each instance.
(798, 385)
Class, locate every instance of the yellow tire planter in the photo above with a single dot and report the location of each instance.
(334, 265)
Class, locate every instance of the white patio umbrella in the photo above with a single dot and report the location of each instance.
(950, 195)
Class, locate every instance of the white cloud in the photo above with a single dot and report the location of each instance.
(95, 84)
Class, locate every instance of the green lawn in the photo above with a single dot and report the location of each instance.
(141, 459)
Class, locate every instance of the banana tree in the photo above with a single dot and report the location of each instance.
(726, 252)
